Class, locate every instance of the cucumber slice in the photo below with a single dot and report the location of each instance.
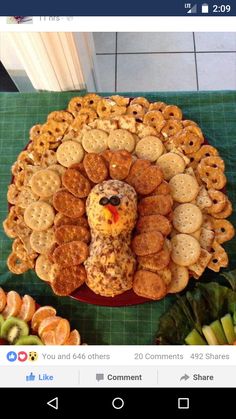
(209, 335)
(194, 338)
(219, 332)
(228, 327)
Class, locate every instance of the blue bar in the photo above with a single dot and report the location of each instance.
(117, 8)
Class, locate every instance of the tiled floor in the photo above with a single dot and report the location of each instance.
(135, 61)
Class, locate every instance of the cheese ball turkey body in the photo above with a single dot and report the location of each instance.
(111, 208)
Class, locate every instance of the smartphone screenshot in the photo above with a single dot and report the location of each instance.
(117, 206)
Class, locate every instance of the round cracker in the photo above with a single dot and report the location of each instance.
(45, 269)
(41, 241)
(45, 183)
(120, 139)
(95, 141)
(187, 218)
(184, 187)
(70, 152)
(179, 278)
(171, 164)
(39, 216)
(149, 148)
(149, 285)
(185, 249)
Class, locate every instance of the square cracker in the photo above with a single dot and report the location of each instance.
(199, 267)
(206, 238)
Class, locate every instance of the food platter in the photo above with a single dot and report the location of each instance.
(134, 131)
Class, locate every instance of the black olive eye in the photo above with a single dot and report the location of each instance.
(104, 201)
(114, 200)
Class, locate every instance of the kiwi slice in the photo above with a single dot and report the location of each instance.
(13, 328)
(1, 323)
(29, 340)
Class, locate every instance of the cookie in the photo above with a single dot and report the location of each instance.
(224, 230)
(18, 266)
(179, 280)
(145, 130)
(67, 233)
(157, 106)
(219, 257)
(157, 204)
(91, 100)
(95, 141)
(184, 188)
(171, 164)
(212, 161)
(171, 127)
(189, 142)
(226, 211)
(162, 189)
(95, 167)
(140, 101)
(199, 267)
(39, 216)
(136, 171)
(206, 151)
(155, 262)
(41, 241)
(206, 238)
(147, 243)
(70, 152)
(120, 139)
(149, 285)
(213, 177)
(60, 116)
(146, 182)
(76, 183)
(45, 183)
(57, 168)
(165, 275)
(185, 249)
(70, 254)
(68, 280)
(61, 219)
(218, 201)
(203, 199)
(154, 222)
(127, 122)
(172, 111)
(120, 164)
(68, 204)
(45, 269)
(154, 119)
(149, 148)
(187, 218)
(136, 110)
(26, 197)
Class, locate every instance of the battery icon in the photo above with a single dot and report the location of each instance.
(205, 8)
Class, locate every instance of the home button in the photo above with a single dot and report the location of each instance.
(118, 403)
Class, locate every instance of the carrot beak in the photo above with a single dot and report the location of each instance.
(113, 211)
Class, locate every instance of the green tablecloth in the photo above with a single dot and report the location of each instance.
(215, 112)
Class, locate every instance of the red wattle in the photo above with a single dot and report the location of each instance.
(114, 212)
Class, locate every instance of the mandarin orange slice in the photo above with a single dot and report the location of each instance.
(62, 331)
(74, 338)
(49, 338)
(27, 309)
(13, 306)
(41, 314)
(50, 323)
(3, 300)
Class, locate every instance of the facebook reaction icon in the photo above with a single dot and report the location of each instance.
(11, 356)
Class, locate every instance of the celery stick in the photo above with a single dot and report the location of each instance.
(209, 335)
(194, 338)
(228, 327)
(219, 332)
